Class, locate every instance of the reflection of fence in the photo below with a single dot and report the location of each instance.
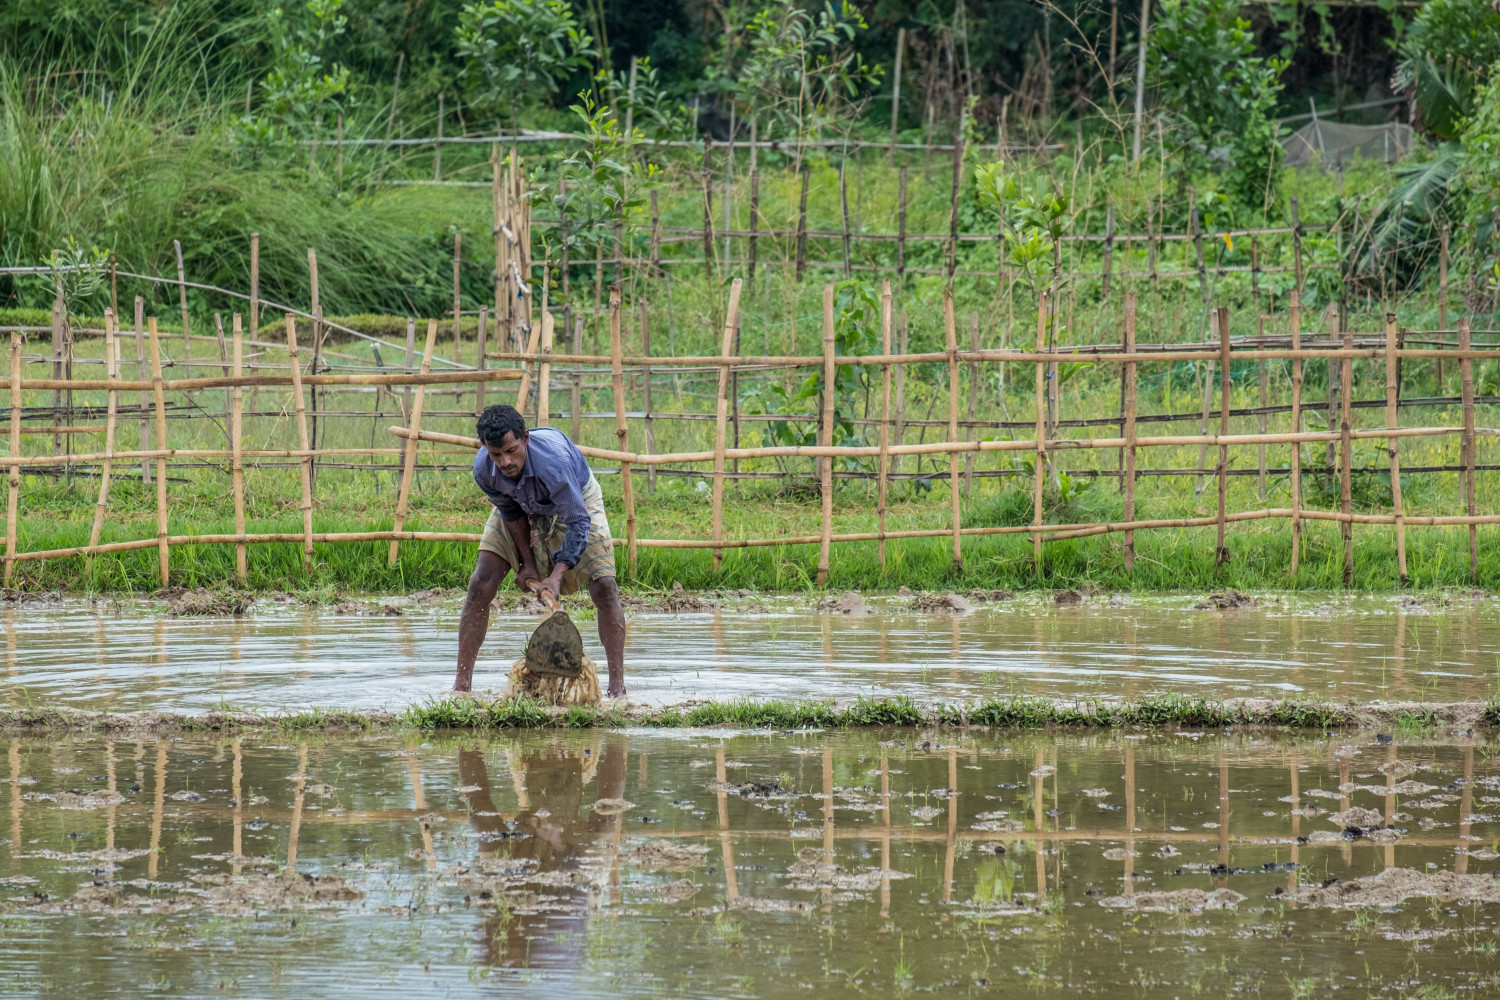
(1036, 824)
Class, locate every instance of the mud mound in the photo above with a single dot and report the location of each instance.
(673, 892)
(1180, 901)
(848, 603)
(202, 602)
(813, 869)
(753, 789)
(242, 894)
(977, 596)
(90, 800)
(434, 596)
(367, 608)
(1396, 885)
(1229, 600)
(940, 604)
(667, 856)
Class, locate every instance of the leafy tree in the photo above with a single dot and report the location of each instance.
(303, 83)
(1204, 68)
(653, 111)
(519, 52)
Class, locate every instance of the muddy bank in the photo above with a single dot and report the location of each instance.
(488, 711)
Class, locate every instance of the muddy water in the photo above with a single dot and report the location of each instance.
(749, 865)
(130, 655)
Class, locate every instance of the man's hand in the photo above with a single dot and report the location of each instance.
(526, 576)
(553, 582)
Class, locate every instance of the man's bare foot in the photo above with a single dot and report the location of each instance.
(459, 686)
(617, 692)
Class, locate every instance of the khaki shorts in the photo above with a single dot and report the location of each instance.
(547, 534)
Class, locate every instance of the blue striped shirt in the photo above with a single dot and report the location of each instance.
(551, 486)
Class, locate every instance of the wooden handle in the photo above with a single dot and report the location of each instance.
(548, 598)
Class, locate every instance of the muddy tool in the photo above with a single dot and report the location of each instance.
(555, 647)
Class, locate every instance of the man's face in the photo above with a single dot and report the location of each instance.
(510, 456)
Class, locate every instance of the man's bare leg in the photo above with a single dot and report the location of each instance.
(474, 623)
(606, 595)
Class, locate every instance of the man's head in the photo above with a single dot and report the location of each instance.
(503, 434)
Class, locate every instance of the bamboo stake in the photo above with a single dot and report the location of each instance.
(577, 400)
(896, 90)
(901, 226)
(1393, 445)
(162, 556)
(187, 343)
(617, 380)
(958, 172)
(236, 442)
(1333, 397)
(883, 465)
(1109, 252)
(802, 228)
(754, 220)
(112, 372)
(1041, 429)
(646, 392)
(1296, 246)
(951, 330)
(15, 453)
(973, 401)
(721, 417)
(1129, 464)
(312, 369)
(480, 348)
(900, 435)
(306, 463)
(544, 378)
(844, 205)
(1294, 313)
(458, 249)
(144, 439)
(533, 343)
(1226, 386)
(1444, 234)
(1346, 455)
(1466, 448)
(825, 435)
(404, 493)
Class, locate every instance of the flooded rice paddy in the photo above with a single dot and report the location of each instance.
(130, 655)
(751, 864)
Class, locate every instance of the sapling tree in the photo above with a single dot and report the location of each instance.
(303, 84)
(519, 52)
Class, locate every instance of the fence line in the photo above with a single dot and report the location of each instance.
(1045, 444)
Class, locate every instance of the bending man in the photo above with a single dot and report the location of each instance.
(548, 525)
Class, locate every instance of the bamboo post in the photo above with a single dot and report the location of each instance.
(950, 329)
(312, 369)
(1296, 246)
(223, 348)
(1444, 234)
(754, 222)
(1109, 252)
(414, 424)
(1294, 314)
(844, 206)
(896, 90)
(825, 436)
(721, 418)
(144, 440)
(483, 337)
(236, 443)
(1393, 444)
(187, 344)
(1128, 370)
(533, 347)
(802, 227)
(973, 401)
(296, 369)
(958, 173)
(112, 373)
(1333, 399)
(1226, 387)
(1466, 448)
(1040, 471)
(577, 401)
(1346, 454)
(411, 350)
(162, 551)
(617, 380)
(646, 392)
(900, 435)
(901, 230)
(59, 319)
(883, 465)
(655, 242)
(1262, 369)
(708, 208)
(458, 247)
(255, 284)
(1195, 232)
(544, 375)
(15, 453)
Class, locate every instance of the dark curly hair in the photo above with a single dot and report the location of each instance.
(496, 422)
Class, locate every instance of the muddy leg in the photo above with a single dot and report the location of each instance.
(474, 623)
(606, 595)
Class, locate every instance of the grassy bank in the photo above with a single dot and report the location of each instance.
(477, 712)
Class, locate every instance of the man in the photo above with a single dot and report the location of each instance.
(548, 525)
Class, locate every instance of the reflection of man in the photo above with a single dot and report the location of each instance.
(551, 828)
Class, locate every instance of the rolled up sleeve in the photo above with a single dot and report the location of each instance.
(568, 502)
